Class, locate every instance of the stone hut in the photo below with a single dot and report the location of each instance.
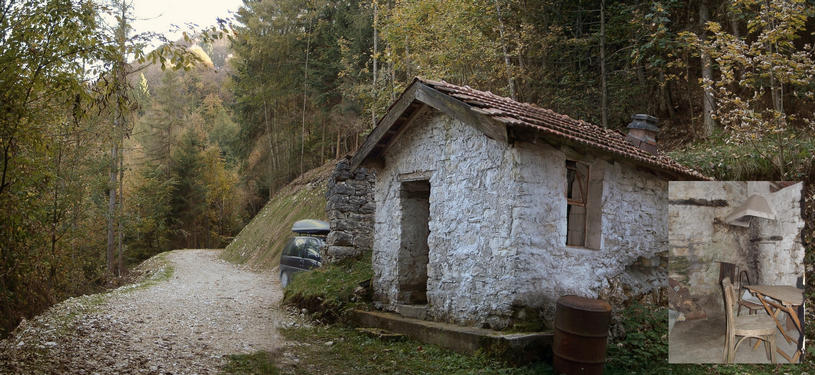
(488, 210)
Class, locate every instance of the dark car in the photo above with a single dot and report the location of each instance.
(302, 252)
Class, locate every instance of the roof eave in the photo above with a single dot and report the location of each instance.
(418, 92)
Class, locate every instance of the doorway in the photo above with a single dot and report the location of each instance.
(414, 250)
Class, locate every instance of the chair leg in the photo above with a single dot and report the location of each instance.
(773, 357)
(768, 348)
(738, 312)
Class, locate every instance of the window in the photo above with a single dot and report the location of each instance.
(577, 198)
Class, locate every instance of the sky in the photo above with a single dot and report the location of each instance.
(159, 15)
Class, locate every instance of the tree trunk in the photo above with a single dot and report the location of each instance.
(603, 89)
(373, 83)
(707, 77)
(393, 80)
(120, 208)
(407, 57)
(337, 156)
(322, 144)
(270, 163)
(510, 80)
(690, 98)
(112, 203)
(55, 215)
(665, 103)
(305, 88)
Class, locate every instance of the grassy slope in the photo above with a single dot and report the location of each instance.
(260, 242)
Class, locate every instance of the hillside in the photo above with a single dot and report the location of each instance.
(259, 243)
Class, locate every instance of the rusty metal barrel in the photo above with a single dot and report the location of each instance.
(581, 331)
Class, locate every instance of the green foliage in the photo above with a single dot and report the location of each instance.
(258, 363)
(47, 161)
(186, 191)
(644, 348)
(764, 88)
(149, 211)
(729, 161)
(328, 292)
(299, 72)
(356, 353)
(66, 101)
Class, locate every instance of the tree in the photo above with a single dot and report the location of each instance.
(44, 141)
(756, 68)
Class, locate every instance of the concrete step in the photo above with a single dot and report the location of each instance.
(412, 311)
(513, 347)
(381, 334)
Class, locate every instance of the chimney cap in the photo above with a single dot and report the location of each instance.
(643, 121)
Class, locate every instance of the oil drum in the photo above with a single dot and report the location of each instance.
(581, 330)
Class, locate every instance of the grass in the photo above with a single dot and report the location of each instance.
(158, 268)
(328, 292)
(260, 242)
(340, 350)
(718, 158)
(259, 363)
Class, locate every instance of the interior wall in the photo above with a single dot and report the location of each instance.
(699, 238)
(780, 250)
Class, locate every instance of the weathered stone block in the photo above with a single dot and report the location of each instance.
(336, 253)
(340, 238)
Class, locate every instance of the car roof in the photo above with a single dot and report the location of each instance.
(311, 226)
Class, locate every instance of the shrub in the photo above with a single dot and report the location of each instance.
(328, 292)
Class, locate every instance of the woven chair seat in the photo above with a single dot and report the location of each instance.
(754, 325)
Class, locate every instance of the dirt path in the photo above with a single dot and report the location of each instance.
(208, 309)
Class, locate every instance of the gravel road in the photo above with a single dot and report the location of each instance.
(208, 309)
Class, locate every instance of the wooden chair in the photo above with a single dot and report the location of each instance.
(752, 326)
(752, 307)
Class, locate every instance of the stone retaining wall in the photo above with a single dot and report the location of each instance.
(350, 210)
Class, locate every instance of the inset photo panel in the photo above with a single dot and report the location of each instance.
(735, 272)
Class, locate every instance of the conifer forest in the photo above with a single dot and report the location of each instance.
(118, 145)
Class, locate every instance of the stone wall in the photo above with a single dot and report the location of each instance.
(471, 265)
(498, 228)
(350, 210)
(699, 238)
(633, 238)
(781, 251)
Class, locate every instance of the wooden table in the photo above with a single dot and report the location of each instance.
(785, 298)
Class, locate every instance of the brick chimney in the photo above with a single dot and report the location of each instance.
(642, 132)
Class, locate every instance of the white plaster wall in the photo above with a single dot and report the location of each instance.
(782, 261)
(634, 210)
(471, 261)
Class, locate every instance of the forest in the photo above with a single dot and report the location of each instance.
(114, 150)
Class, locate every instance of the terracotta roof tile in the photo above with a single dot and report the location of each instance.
(511, 112)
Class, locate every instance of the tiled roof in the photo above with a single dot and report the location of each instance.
(513, 113)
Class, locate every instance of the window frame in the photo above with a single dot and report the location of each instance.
(584, 189)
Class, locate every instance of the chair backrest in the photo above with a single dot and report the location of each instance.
(727, 270)
(727, 289)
